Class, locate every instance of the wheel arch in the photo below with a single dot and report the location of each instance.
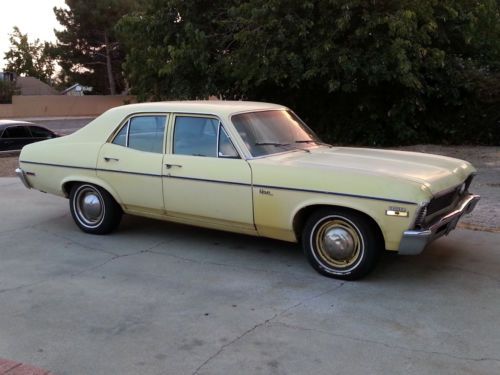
(301, 216)
(69, 182)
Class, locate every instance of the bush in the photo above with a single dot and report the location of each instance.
(368, 72)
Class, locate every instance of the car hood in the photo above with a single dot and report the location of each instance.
(431, 173)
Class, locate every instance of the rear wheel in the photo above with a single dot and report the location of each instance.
(341, 244)
(94, 209)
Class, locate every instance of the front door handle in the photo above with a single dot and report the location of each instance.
(109, 159)
(172, 165)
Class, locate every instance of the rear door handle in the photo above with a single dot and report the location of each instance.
(172, 165)
(111, 159)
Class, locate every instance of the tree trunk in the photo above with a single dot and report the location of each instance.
(109, 69)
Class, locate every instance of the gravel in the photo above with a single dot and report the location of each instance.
(486, 216)
(8, 164)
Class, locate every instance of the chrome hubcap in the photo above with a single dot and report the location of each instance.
(89, 206)
(338, 244)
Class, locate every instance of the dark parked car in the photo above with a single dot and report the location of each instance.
(16, 134)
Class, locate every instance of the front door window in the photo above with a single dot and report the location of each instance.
(201, 136)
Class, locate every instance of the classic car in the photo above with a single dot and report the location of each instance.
(15, 134)
(252, 168)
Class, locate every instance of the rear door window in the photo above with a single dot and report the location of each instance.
(143, 133)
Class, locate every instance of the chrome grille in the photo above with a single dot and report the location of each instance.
(440, 203)
(419, 220)
(446, 200)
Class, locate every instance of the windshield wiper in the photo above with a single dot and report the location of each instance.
(313, 141)
(272, 144)
(276, 144)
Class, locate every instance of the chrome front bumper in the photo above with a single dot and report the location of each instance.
(22, 176)
(414, 241)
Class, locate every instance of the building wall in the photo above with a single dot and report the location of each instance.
(61, 105)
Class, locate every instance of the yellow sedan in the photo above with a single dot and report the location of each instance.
(252, 168)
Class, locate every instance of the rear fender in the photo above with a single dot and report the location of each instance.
(69, 180)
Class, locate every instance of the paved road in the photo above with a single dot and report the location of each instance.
(158, 298)
(62, 125)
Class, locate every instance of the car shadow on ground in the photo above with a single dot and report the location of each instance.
(207, 244)
(428, 266)
(234, 250)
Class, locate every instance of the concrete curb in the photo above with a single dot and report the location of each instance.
(8, 367)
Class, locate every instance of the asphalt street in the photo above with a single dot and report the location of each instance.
(160, 298)
(62, 125)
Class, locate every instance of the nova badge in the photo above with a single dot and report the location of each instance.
(265, 192)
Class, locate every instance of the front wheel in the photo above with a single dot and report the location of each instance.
(341, 244)
(94, 209)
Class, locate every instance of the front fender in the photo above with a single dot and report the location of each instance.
(276, 213)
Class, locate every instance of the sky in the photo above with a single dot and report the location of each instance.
(33, 17)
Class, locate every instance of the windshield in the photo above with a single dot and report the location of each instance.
(270, 132)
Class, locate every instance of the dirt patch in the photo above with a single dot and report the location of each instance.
(480, 156)
(485, 217)
(8, 165)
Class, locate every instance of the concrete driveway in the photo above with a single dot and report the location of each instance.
(159, 298)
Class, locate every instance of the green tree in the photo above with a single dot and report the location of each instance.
(359, 71)
(87, 49)
(173, 48)
(28, 58)
(7, 89)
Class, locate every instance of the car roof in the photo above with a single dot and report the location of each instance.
(106, 123)
(5, 123)
(220, 107)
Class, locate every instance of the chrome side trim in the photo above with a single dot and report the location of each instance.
(257, 186)
(414, 241)
(22, 176)
(334, 193)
